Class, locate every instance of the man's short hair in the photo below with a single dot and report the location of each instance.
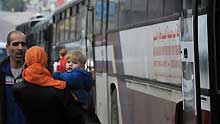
(12, 32)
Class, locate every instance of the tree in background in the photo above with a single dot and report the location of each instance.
(13, 5)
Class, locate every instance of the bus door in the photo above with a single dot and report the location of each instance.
(200, 61)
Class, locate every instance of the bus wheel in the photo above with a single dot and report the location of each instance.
(114, 108)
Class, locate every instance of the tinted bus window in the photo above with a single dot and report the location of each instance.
(79, 21)
(187, 4)
(67, 28)
(3, 53)
(155, 9)
(98, 16)
(171, 7)
(125, 13)
(62, 23)
(138, 11)
(113, 15)
(54, 33)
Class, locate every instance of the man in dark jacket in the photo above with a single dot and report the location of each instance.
(10, 74)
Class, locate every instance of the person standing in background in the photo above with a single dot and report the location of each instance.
(10, 73)
(61, 65)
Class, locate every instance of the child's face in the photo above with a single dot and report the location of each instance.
(70, 65)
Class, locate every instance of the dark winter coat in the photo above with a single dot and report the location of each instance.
(10, 111)
(80, 81)
(45, 105)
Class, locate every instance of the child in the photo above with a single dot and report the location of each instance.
(76, 77)
(61, 63)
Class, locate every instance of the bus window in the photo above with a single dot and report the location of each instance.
(73, 24)
(203, 4)
(124, 13)
(54, 33)
(155, 9)
(113, 15)
(138, 11)
(172, 7)
(187, 4)
(61, 30)
(79, 11)
(58, 31)
(67, 28)
(3, 53)
(98, 16)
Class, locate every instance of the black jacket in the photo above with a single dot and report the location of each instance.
(10, 112)
(45, 105)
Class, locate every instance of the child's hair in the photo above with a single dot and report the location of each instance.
(77, 56)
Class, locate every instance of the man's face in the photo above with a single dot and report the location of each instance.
(17, 47)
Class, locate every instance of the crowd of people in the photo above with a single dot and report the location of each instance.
(31, 94)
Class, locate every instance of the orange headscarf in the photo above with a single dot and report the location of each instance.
(36, 72)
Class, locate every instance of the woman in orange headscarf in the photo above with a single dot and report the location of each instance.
(42, 99)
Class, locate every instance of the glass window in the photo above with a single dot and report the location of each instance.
(155, 9)
(68, 13)
(67, 28)
(113, 15)
(187, 4)
(138, 11)
(61, 26)
(98, 16)
(3, 53)
(54, 32)
(73, 27)
(90, 22)
(203, 4)
(124, 13)
(172, 6)
(78, 21)
(58, 31)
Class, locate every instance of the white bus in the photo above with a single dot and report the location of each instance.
(154, 61)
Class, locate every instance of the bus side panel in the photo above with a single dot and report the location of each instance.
(150, 52)
(153, 52)
(138, 106)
